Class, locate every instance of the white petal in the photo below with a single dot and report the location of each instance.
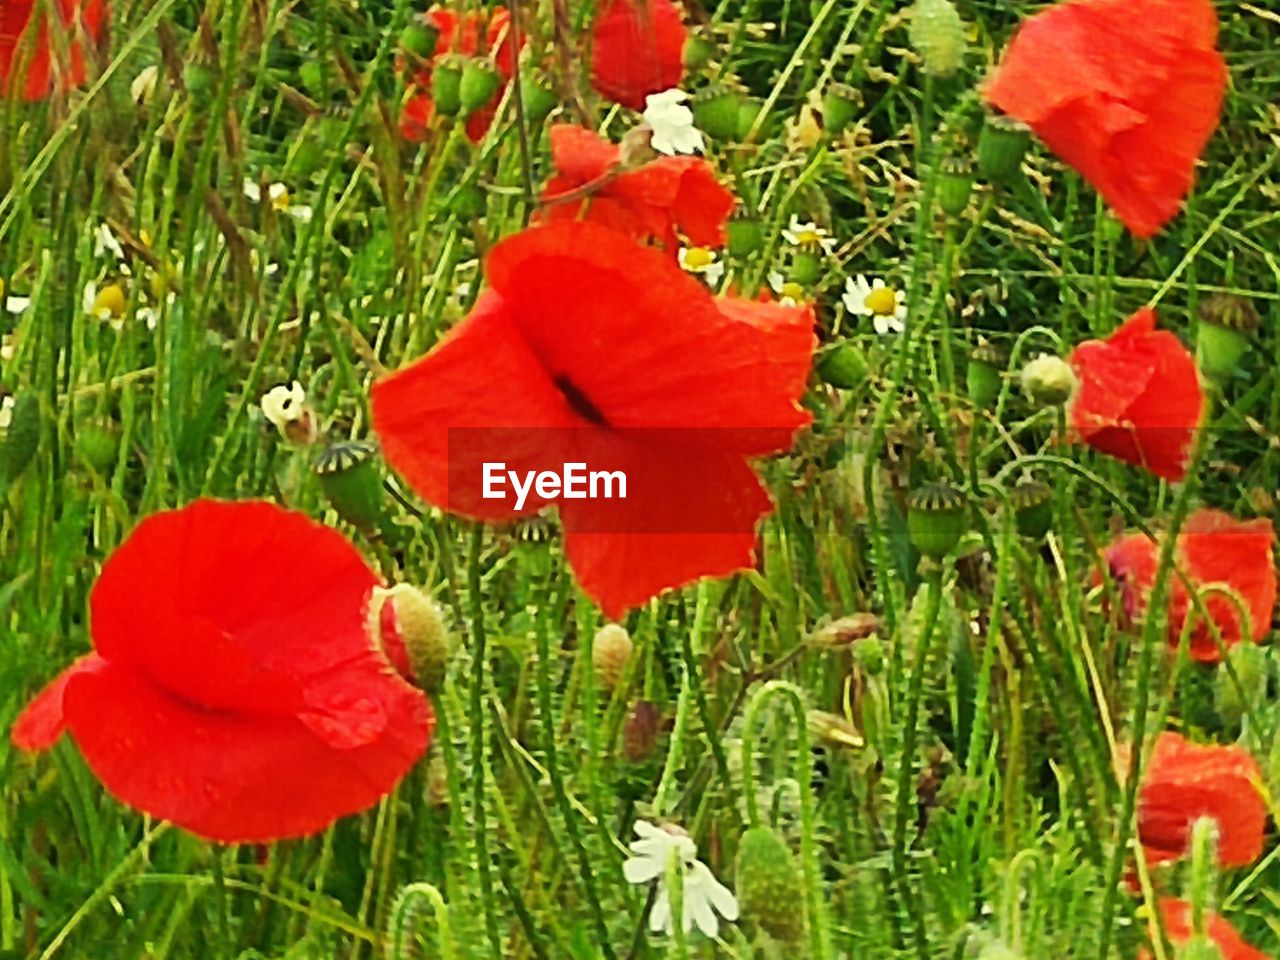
(16, 304)
(302, 214)
(253, 191)
(642, 869)
(660, 915)
(881, 324)
(698, 910)
(644, 828)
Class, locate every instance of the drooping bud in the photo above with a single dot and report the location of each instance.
(844, 631)
(1048, 380)
(420, 37)
(97, 444)
(840, 104)
(640, 731)
(22, 436)
(806, 264)
(769, 885)
(983, 375)
(538, 97)
(351, 476)
(955, 185)
(745, 235)
(1233, 696)
(937, 34)
(1226, 323)
(1033, 508)
(610, 653)
(715, 112)
(446, 85)
(937, 517)
(479, 82)
(843, 366)
(407, 625)
(1001, 146)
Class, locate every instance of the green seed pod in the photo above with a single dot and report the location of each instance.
(840, 104)
(446, 85)
(748, 109)
(420, 37)
(22, 437)
(745, 236)
(1249, 661)
(698, 50)
(769, 885)
(955, 185)
(351, 477)
(97, 445)
(538, 97)
(1227, 322)
(937, 34)
(610, 652)
(715, 112)
(806, 265)
(983, 375)
(1033, 508)
(937, 517)
(843, 366)
(1001, 146)
(479, 83)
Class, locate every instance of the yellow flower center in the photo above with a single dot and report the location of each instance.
(793, 290)
(808, 237)
(698, 258)
(882, 301)
(110, 299)
(280, 200)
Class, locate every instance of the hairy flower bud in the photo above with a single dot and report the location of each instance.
(610, 653)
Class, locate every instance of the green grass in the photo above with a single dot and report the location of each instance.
(979, 801)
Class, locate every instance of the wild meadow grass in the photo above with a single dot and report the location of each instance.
(939, 744)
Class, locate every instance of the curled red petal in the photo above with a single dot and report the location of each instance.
(43, 720)
(637, 49)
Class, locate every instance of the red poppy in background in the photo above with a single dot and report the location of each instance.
(23, 41)
(1228, 562)
(1186, 781)
(232, 688)
(662, 200)
(1127, 92)
(1177, 924)
(1139, 397)
(637, 48)
(461, 34)
(591, 348)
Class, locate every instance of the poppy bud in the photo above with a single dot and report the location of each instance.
(1033, 508)
(715, 112)
(769, 885)
(538, 98)
(420, 37)
(843, 366)
(97, 444)
(409, 628)
(1048, 380)
(748, 109)
(806, 264)
(1001, 146)
(983, 375)
(840, 105)
(446, 85)
(22, 436)
(955, 185)
(745, 235)
(937, 34)
(845, 630)
(1226, 323)
(610, 652)
(699, 48)
(833, 730)
(479, 82)
(352, 480)
(640, 731)
(937, 517)
(1249, 661)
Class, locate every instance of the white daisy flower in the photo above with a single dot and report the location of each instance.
(801, 234)
(883, 304)
(703, 262)
(6, 412)
(281, 201)
(106, 303)
(671, 123)
(789, 293)
(704, 895)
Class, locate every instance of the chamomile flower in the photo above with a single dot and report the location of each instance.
(704, 895)
(883, 304)
(280, 199)
(106, 303)
(808, 235)
(703, 262)
(671, 123)
(13, 303)
(789, 293)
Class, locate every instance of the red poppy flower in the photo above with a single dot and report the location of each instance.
(1177, 924)
(24, 42)
(1126, 91)
(1139, 396)
(1184, 782)
(637, 48)
(1228, 562)
(232, 688)
(661, 200)
(460, 34)
(589, 348)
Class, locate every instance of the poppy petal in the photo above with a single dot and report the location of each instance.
(637, 49)
(43, 720)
